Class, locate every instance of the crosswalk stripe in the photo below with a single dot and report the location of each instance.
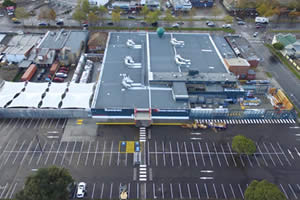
(143, 172)
(143, 176)
(143, 179)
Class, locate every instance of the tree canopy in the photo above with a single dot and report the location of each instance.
(145, 11)
(8, 3)
(263, 190)
(47, 14)
(79, 15)
(92, 18)
(243, 145)
(169, 17)
(152, 16)
(46, 184)
(21, 13)
(116, 16)
(278, 46)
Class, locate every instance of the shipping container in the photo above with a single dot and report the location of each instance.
(29, 73)
(54, 67)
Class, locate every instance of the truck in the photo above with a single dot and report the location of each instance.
(29, 73)
(261, 20)
(54, 67)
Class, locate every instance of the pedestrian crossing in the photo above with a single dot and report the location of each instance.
(143, 173)
(247, 121)
(142, 134)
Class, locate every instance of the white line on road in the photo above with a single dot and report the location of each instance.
(172, 161)
(95, 156)
(241, 191)
(80, 152)
(225, 195)
(231, 154)
(196, 163)
(232, 191)
(206, 191)
(72, 152)
(112, 145)
(62, 160)
(87, 156)
(102, 159)
(186, 154)
(93, 191)
(178, 151)
(284, 191)
(155, 146)
(201, 153)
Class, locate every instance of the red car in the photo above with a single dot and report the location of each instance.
(62, 71)
(64, 68)
(50, 76)
(57, 79)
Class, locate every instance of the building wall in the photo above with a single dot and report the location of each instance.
(202, 3)
(253, 63)
(239, 70)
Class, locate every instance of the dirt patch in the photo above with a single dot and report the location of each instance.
(8, 72)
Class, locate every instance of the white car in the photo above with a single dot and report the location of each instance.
(226, 26)
(81, 190)
(255, 34)
(61, 75)
(175, 25)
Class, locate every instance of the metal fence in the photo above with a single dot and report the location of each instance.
(44, 113)
(242, 114)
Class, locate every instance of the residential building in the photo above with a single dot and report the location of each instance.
(202, 3)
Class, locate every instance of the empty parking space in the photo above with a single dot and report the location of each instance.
(211, 154)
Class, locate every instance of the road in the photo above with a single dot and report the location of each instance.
(176, 162)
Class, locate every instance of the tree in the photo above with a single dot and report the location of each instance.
(52, 14)
(8, 3)
(92, 18)
(228, 19)
(278, 46)
(169, 17)
(243, 145)
(21, 13)
(85, 6)
(79, 15)
(263, 190)
(152, 17)
(116, 16)
(46, 184)
(215, 11)
(145, 11)
(262, 9)
(102, 10)
(192, 13)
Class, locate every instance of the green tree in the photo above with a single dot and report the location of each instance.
(52, 14)
(79, 15)
(145, 11)
(262, 9)
(8, 3)
(46, 14)
(92, 18)
(21, 13)
(116, 16)
(169, 18)
(263, 190)
(228, 19)
(243, 145)
(102, 10)
(152, 17)
(46, 184)
(278, 46)
(192, 13)
(85, 6)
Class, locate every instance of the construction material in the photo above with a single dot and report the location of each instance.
(29, 73)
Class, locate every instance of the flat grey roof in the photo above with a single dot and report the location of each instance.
(155, 57)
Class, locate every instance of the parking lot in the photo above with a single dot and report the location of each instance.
(32, 123)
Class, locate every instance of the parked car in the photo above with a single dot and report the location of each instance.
(210, 24)
(241, 23)
(57, 79)
(175, 25)
(49, 76)
(255, 34)
(85, 25)
(143, 23)
(61, 75)
(64, 68)
(238, 19)
(110, 23)
(39, 77)
(1, 15)
(226, 26)
(131, 17)
(155, 24)
(43, 24)
(81, 190)
(43, 71)
(60, 22)
(47, 79)
(168, 5)
(180, 23)
(63, 71)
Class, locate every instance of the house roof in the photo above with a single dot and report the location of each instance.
(286, 39)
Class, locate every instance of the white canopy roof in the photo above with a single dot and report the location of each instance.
(4, 99)
(79, 100)
(81, 87)
(36, 87)
(58, 88)
(11, 88)
(51, 100)
(29, 100)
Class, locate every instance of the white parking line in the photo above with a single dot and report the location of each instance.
(87, 156)
(206, 191)
(29, 123)
(72, 152)
(13, 190)
(232, 191)
(241, 191)
(148, 152)
(171, 190)
(276, 154)
(62, 160)
(16, 123)
(33, 153)
(231, 154)
(81, 147)
(215, 191)
(93, 191)
(128, 190)
(50, 123)
(256, 160)
(284, 191)
(64, 124)
(225, 195)
(172, 161)
(102, 159)
(178, 151)
(201, 153)
(269, 154)
(249, 160)
(1, 195)
(196, 163)
(186, 154)
(57, 123)
(189, 191)
(217, 154)
(153, 189)
(111, 189)
(41, 152)
(261, 154)
(293, 191)
(180, 193)
(163, 149)
(95, 156)
(18, 152)
(198, 193)
(155, 146)
(211, 162)
(284, 154)
(56, 153)
(10, 120)
(112, 145)
(26, 153)
(102, 188)
(224, 155)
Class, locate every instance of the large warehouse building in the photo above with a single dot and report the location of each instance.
(144, 75)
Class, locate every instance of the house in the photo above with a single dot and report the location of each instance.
(181, 5)
(67, 44)
(202, 3)
(151, 4)
(20, 46)
(235, 7)
(98, 2)
(290, 43)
